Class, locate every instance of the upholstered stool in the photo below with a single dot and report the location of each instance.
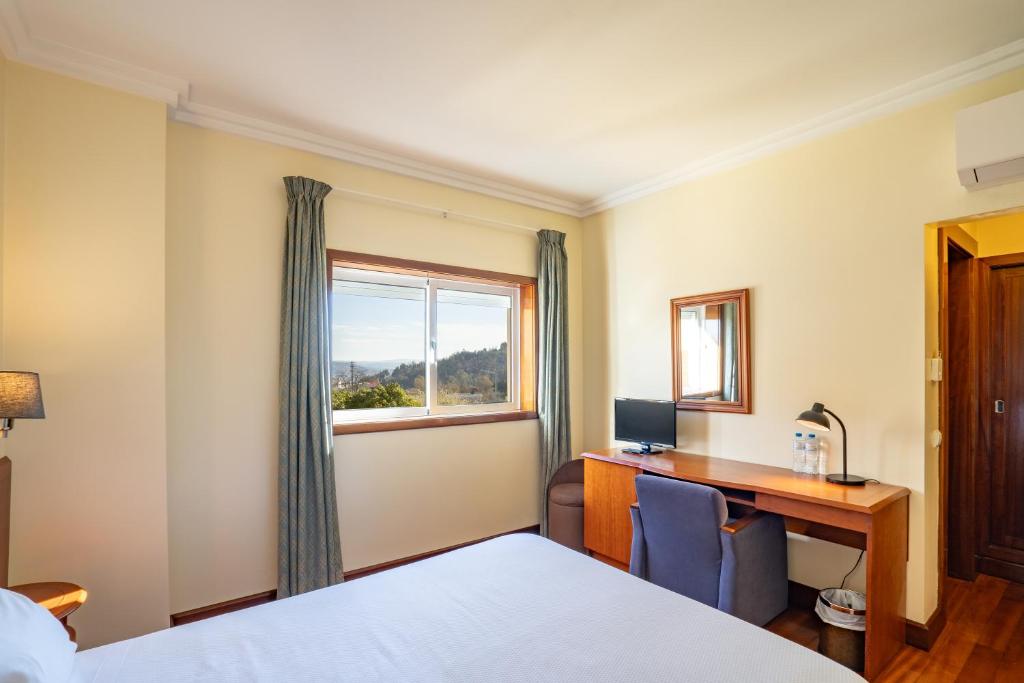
(565, 505)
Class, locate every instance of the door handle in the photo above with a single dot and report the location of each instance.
(1000, 406)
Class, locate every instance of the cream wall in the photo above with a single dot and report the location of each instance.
(998, 235)
(828, 236)
(400, 493)
(83, 304)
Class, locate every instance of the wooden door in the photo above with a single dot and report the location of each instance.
(1000, 499)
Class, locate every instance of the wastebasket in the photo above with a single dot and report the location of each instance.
(842, 613)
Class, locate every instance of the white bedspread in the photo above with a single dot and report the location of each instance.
(517, 608)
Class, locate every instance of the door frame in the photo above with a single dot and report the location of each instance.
(1004, 260)
(956, 238)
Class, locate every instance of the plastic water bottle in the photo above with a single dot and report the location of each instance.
(798, 452)
(811, 451)
(822, 459)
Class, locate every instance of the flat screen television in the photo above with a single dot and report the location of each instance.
(648, 423)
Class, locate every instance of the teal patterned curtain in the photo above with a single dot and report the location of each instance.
(553, 361)
(309, 544)
(730, 348)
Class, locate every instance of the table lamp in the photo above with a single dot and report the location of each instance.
(20, 398)
(815, 418)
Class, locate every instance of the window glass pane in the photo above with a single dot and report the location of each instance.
(700, 362)
(377, 346)
(473, 341)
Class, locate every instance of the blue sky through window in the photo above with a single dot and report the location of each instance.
(377, 328)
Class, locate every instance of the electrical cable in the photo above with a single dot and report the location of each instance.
(855, 565)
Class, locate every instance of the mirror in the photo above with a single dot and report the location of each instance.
(711, 352)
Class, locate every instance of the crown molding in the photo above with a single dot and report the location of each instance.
(897, 99)
(17, 44)
(219, 119)
(20, 46)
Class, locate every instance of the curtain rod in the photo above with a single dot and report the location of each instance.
(444, 213)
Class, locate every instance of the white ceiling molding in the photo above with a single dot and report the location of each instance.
(889, 102)
(211, 117)
(19, 45)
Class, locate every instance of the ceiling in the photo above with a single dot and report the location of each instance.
(568, 104)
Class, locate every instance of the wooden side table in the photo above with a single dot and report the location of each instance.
(60, 598)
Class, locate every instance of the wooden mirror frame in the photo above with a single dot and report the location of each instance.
(742, 299)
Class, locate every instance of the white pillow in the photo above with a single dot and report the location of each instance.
(34, 647)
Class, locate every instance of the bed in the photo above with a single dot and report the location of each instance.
(516, 608)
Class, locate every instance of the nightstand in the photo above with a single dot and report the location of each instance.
(60, 598)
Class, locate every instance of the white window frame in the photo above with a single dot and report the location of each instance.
(431, 285)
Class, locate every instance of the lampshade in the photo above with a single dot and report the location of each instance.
(815, 418)
(20, 396)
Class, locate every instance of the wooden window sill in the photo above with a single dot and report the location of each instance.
(431, 421)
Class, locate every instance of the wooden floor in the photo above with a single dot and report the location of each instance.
(983, 639)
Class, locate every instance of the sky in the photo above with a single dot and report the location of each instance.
(368, 328)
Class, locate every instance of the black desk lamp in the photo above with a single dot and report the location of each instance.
(815, 418)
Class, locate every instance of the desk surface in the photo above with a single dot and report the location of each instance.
(760, 478)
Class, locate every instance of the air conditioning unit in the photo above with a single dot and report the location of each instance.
(990, 142)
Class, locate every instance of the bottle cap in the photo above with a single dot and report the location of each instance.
(799, 433)
(810, 436)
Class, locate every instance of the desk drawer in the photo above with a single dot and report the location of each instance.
(844, 519)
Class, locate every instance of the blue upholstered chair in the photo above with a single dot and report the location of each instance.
(682, 541)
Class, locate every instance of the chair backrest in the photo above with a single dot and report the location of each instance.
(569, 473)
(681, 523)
(5, 518)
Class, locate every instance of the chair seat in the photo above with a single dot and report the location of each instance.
(569, 495)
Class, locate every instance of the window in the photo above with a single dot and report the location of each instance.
(422, 345)
(700, 334)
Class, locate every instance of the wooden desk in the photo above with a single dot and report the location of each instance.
(871, 517)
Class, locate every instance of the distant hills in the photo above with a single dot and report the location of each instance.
(464, 377)
(366, 368)
(481, 373)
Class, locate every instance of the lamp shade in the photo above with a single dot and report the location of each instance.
(20, 396)
(815, 418)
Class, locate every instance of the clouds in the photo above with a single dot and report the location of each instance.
(371, 341)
